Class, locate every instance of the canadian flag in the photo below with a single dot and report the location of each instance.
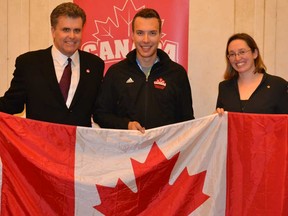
(236, 164)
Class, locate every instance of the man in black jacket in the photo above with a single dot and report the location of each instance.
(38, 73)
(147, 89)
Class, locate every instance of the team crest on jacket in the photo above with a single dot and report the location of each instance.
(160, 83)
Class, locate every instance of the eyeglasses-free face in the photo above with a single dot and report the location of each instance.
(146, 37)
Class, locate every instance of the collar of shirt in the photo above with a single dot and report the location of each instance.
(146, 71)
(61, 59)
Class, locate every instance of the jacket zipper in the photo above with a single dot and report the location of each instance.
(146, 100)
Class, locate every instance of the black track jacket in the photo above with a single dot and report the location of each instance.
(126, 95)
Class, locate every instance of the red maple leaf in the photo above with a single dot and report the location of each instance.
(155, 196)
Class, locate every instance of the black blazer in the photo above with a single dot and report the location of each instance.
(270, 97)
(35, 85)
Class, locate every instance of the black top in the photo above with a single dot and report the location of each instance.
(126, 95)
(270, 97)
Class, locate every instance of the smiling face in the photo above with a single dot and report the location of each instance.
(146, 37)
(243, 57)
(67, 34)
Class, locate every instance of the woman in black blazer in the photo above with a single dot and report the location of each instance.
(247, 87)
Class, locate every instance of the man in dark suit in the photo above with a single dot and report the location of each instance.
(38, 73)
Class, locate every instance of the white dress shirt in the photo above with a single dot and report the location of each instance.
(60, 62)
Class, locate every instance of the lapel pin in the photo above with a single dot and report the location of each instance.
(87, 70)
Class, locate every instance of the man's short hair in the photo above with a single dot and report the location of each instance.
(147, 13)
(68, 9)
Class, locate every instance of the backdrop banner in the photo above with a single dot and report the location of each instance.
(108, 29)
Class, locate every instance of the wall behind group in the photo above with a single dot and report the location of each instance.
(25, 26)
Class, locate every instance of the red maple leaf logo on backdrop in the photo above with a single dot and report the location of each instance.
(155, 196)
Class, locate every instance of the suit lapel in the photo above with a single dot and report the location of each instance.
(84, 70)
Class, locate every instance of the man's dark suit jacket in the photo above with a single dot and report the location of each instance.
(35, 85)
